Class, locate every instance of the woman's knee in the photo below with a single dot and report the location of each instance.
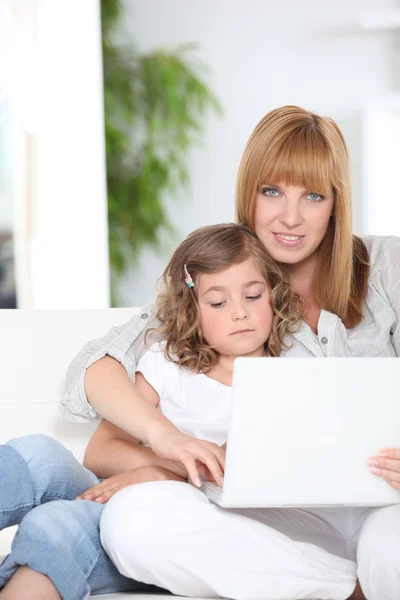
(63, 526)
(37, 448)
(54, 471)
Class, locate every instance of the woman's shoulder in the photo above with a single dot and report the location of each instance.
(383, 251)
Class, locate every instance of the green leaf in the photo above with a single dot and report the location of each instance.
(155, 106)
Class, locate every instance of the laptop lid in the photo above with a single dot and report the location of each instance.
(302, 429)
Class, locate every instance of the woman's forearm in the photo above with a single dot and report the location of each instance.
(114, 396)
(112, 456)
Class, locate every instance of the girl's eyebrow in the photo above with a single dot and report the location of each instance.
(250, 283)
(220, 288)
(215, 288)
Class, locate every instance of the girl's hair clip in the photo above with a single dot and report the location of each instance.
(188, 280)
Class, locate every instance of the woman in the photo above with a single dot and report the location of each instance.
(293, 222)
(294, 191)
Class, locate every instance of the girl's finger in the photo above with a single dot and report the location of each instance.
(103, 498)
(92, 492)
(86, 496)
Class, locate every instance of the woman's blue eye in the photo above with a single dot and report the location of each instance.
(271, 192)
(315, 197)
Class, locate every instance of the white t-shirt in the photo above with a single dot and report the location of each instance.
(196, 404)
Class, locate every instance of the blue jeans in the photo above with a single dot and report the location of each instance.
(57, 535)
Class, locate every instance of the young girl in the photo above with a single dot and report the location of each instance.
(222, 297)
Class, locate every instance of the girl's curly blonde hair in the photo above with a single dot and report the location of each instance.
(209, 250)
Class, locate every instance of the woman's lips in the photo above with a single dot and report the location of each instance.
(288, 240)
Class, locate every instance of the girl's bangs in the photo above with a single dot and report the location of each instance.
(304, 160)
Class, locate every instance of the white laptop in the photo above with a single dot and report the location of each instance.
(302, 429)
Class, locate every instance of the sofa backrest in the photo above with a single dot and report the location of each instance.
(35, 350)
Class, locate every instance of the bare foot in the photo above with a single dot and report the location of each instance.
(26, 584)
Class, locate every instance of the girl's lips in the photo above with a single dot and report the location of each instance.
(289, 241)
(240, 331)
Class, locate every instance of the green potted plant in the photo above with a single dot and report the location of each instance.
(154, 105)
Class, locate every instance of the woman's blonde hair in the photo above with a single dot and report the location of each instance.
(209, 250)
(297, 147)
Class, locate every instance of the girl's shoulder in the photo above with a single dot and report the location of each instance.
(156, 354)
(156, 358)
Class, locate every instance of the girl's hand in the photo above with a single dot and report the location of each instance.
(103, 491)
(170, 443)
(386, 464)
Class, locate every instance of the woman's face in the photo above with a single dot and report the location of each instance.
(291, 221)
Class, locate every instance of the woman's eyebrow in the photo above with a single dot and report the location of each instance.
(271, 185)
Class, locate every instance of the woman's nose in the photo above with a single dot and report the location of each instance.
(290, 215)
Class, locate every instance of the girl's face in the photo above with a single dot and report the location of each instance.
(291, 221)
(234, 310)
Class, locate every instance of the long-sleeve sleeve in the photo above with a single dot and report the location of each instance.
(125, 343)
(390, 277)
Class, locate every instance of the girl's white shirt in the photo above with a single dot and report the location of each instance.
(378, 334)
(196, 404)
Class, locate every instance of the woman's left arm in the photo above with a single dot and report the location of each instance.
(386, 463)
(390, 280)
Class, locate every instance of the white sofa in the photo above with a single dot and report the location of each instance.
(35, 350)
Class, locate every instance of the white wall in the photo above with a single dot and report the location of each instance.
(381, 144)
(55, 80)
(263, 54)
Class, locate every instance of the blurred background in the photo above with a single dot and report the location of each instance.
(122, 124)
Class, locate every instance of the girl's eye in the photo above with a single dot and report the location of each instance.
(253, 297)
(315, 197)
(217, 304)
(271, 192)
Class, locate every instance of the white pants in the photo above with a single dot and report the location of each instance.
(168, 533)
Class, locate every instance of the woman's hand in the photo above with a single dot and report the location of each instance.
(386, 464)
(193, 454)
(103, 491)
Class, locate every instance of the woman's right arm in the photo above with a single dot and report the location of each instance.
(126, 344)
(100, 384)
(117, 399)
(112, 451)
